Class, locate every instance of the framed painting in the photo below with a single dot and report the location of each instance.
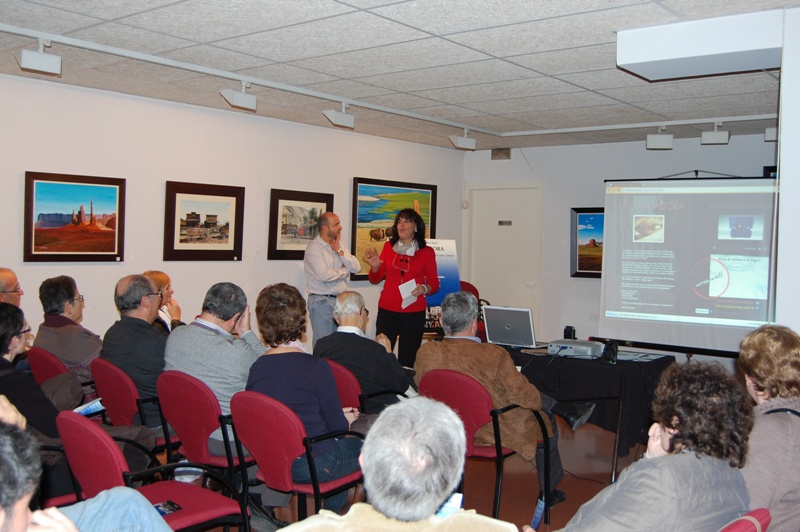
(203, 222)
(72, 218)
(586, 238)
(293, 219)
(376, 202)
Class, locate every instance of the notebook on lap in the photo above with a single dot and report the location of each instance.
(509, 326)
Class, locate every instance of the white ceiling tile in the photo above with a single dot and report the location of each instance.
(26, 14)
(400, 101)
(602, 79)
(214, 57)
(535, 103)
(500, 90)
(413, 55)
(128, 38)
(565, 32)
(344, 33)
(450, 75)
(584, 58)
(212, 20)
(348, 88)
(288, 74)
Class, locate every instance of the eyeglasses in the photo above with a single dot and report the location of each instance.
(23, 332)
(159, 294)
(16, 290)
(79, 298)
(366, 310)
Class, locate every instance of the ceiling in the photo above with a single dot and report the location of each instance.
(497, 65)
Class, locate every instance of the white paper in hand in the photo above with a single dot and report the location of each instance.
(405, 292)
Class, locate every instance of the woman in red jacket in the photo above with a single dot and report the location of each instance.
(401, 307)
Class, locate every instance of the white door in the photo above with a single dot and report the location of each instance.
(502, 244)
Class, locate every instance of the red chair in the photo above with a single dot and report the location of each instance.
(350, 389)
(474, 406)
(468, 287)
(275, 437)
(122, 401)
(193, 410)
(44, 365)
(753, 521)
(98, 464)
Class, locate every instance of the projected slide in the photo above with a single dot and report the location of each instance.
(688, 262)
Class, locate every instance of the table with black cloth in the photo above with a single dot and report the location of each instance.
(623, 391)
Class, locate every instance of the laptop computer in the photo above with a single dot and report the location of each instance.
(509, 326)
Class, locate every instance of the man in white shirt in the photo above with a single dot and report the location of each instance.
(327, 266)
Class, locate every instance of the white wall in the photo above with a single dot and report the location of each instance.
(572, 176)
(48, 127)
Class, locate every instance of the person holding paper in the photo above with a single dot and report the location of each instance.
(408, 267)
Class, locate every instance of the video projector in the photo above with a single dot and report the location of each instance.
(575, 348)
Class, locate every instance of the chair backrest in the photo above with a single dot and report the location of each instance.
(471, 288)
(272, 433)
(753, 521)
(462, 393)
(192, 409)
(346, 384)
(44, 365)
(94, 457)
(117, 391)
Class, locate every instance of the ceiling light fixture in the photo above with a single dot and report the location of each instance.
(240, 99)
(463, 143)
(715, 137)
(38, 61)
(659, 141)
(341, 118)
(771, 134)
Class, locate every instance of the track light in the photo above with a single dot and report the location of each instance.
(771, 134)
(463, 143)
(41, 62)
(341, 118)
(715, 137)
(240, 99)
(660, 141)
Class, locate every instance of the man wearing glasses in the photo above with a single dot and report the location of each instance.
(61, 332)
(372, 362)
(10, 291)
(132, 344)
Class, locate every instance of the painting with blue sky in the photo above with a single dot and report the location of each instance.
(590, 226)
(63, 198)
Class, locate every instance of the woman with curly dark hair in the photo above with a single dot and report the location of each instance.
(405, 258)
(689, 478)
(769, 358)
(305, 384)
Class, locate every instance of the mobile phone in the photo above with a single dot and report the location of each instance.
(537, 514)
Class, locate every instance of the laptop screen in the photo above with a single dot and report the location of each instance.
(509, 326)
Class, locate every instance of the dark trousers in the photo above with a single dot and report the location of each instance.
(409, 326)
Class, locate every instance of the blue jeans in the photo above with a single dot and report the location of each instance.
(320, 313)
(116, 510)
(336, 463)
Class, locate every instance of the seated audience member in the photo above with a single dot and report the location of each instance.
(412, 461)
(61, 333)
(769, 358)
(169, 314)
(21, 468)
(690, 477)
(10, 289)
(372, 363)
(303, 383)
(11, 292)
(132, 344)
(492, 366)
(40, 411)
(207, 350)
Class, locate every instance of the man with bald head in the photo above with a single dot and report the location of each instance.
(10, 290)
(132, 344)
(327, 266)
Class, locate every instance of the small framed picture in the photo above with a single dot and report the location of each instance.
(203, 222)
(71, 218)
(293, 217)
(586, 238)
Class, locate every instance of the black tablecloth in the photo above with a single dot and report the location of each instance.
(570, 379)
